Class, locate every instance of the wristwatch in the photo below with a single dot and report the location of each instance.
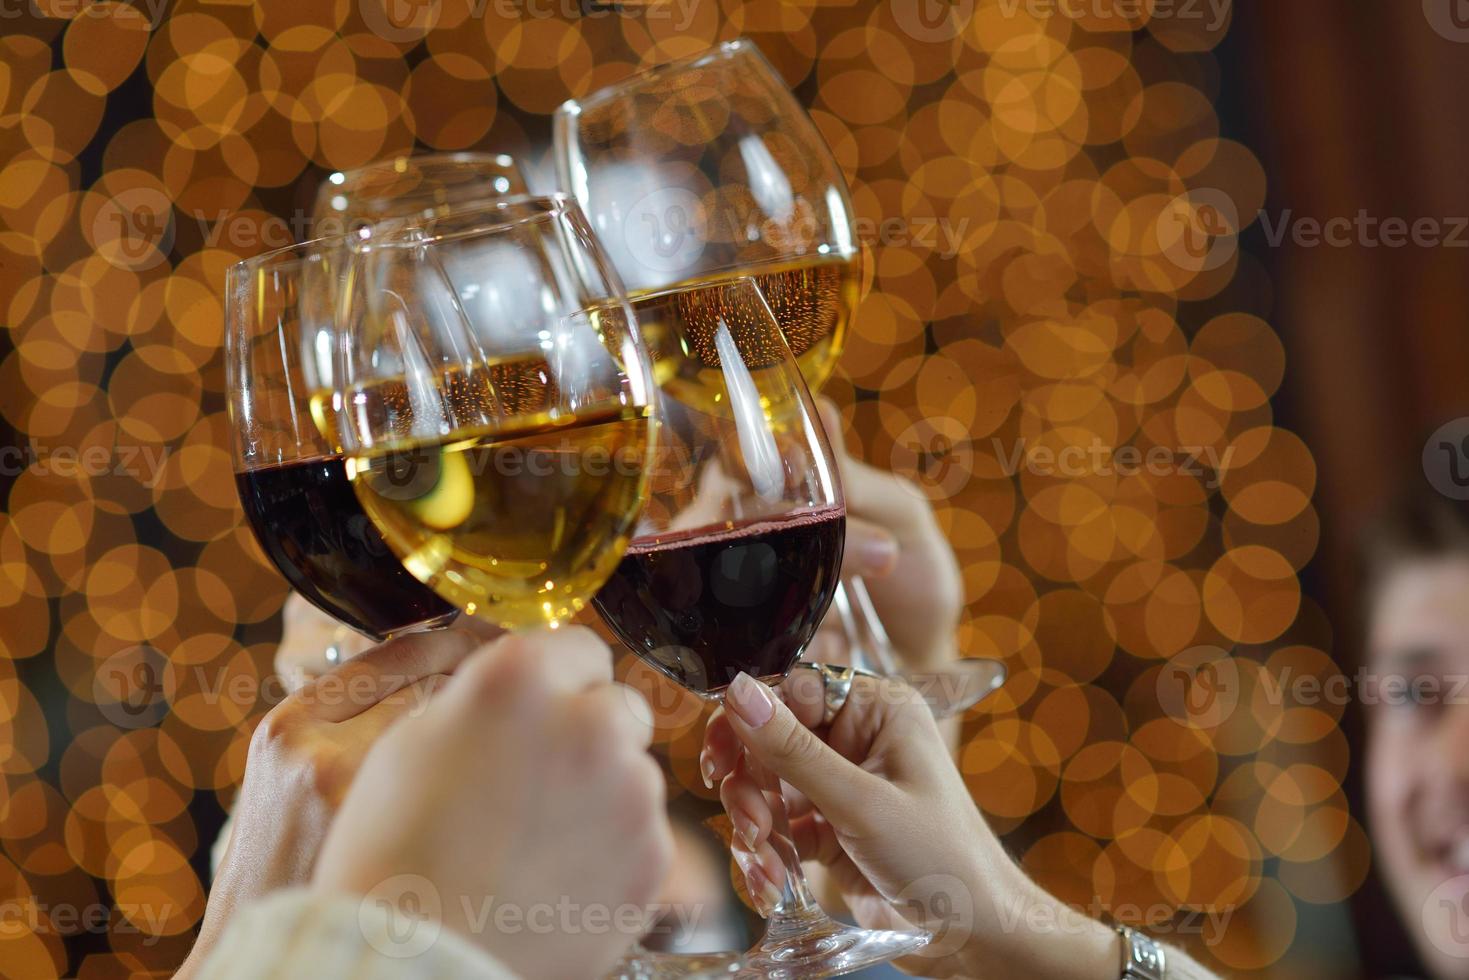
(1142, 959)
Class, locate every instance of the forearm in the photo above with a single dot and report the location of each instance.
(1042, 937)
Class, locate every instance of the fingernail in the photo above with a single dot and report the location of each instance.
(748, 829)
(762, 890)
(749, 700)
(877, 554)
(706, 767)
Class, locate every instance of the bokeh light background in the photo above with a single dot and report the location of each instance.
(1051, 216)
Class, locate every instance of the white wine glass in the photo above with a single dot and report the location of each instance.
(504, 462)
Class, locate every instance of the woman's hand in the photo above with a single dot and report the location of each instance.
(879, 803)
(896, 545)
(304, 756)
(525, 797)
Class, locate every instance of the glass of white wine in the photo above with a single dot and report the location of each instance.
(505, 461)
(708, 167)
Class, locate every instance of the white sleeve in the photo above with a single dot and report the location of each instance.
(299, 933)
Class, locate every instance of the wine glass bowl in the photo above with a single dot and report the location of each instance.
(733, 562)
(292, 480)
(707, 167)
(502, 456)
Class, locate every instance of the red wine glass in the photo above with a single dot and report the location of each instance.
(293, 483)
(737, 555)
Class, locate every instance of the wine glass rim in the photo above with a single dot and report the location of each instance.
(720, 52)
(544, 207)
(399, 162)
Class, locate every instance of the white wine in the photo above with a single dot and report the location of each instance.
(813, 299)
(516, 525)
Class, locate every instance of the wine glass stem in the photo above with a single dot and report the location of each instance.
(796, 906)
(868, 645)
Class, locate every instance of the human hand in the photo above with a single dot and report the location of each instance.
(895, 544)
(879, 803)
(304, 755)
(307, 634)
(527, 788)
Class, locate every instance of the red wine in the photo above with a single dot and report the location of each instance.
(306, 516)
(701, 606)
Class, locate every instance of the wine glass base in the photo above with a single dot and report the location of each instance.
(956, 687)
(643, 964)
(826, 948)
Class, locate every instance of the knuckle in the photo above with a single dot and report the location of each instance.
(797, 745)
(274, 729)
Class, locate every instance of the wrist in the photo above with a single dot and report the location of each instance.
(1035, 934)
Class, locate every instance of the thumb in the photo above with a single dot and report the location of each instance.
(792, 751)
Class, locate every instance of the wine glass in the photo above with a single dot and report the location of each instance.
(706, 167)
(737, 555)
(504, 462)
(292, 481)
(414, 184)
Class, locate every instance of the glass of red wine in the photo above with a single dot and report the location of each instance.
(737, 555)
(293, 483)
